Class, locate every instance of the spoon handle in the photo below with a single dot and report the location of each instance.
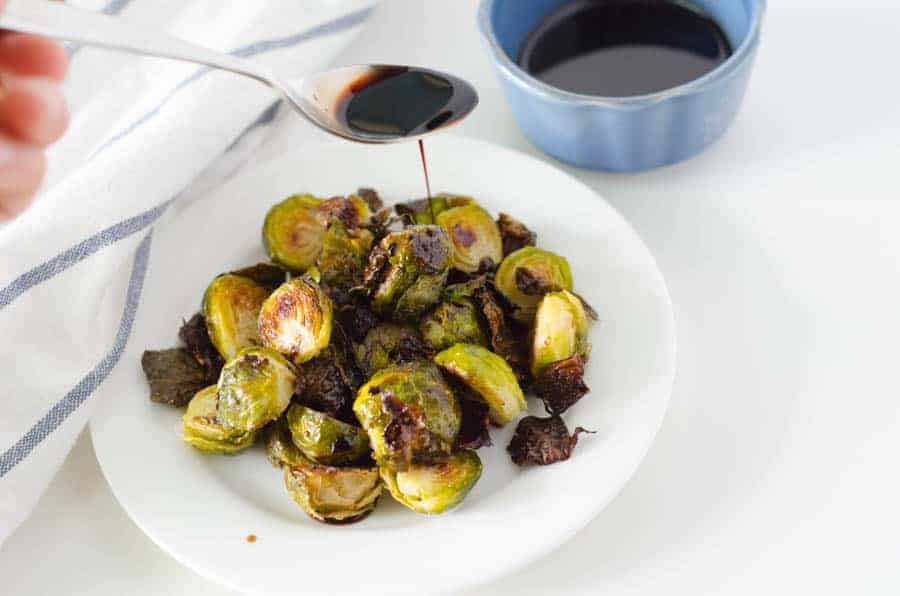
(57, 20)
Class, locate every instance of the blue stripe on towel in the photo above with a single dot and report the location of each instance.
(86, 386)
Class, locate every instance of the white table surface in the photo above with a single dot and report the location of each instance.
(775, 469)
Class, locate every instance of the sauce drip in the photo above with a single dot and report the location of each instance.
(620, 48)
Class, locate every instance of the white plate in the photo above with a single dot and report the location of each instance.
(200, 508)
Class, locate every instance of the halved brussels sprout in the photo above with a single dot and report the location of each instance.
(529, 273)
(434, 487)
(324, 439)
(387, 344)
(280, 447)
(410, 414)
(343, 258)
(231, 307)
(255, 387)
(407, 271)
(560, 330)
(353, 211)
(452, 322)
(475, 237)
(326, 493)
(293, 231)
(201, 427)
(333, 495)
(296, 319)
(423, 211)
(489, 376)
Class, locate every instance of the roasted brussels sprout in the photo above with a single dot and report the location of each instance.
(434, 487)
(561, 384)
(475, 236)
(328, 382)
(268, 275)
(488, 375)
(353, 211)
(326, 493)
(527, 274)
(407, 270)
(542, 441)
(296, 319)
(333, 495)
(560, 330)
(174, 376)
(255, 387)
(410, 414)
(474, 431)
(425, 211)
(343, 258)
(202, 428)
(514, 233)
(387, 344)
(231, 307)
(196, 340)
(293, 232)
(452, 322)
(324, 439)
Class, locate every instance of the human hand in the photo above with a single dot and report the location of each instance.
(33, 114)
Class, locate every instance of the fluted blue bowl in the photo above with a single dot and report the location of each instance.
(622, 133)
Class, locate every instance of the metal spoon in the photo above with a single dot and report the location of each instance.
(316, 97)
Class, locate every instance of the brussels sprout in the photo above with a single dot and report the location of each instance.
(326, 493)
(542, 441)
(561, 384)
(195, 336)
(343, 258)
(324, 439)
(425, 211)
(296, 319)
(387, 344)
(293, 232)
(333, 495)
(231, 306)
(488, 375)
(280, 447)
(514, 233)
(560, 330)
(529, 273)
(410, 414)
(202, 428)
(434, 487)
(475, 236)
(407, 271)
(452, 322)
(353, 211)
(328, 382)
(174, 376)
(255, 387)
(268, 275)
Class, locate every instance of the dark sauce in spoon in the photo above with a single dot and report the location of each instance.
(617, 48)
(405, 102)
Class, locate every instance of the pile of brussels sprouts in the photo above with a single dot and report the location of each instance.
(376, 348)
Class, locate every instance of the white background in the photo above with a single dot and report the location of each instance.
(776, 468)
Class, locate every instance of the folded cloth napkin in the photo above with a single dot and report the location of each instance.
(147, 136)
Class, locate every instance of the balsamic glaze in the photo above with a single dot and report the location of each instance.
(403, 101)
(617, 48)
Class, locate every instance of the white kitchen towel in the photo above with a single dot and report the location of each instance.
(147, 136)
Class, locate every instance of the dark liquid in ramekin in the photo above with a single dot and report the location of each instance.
(619, 48)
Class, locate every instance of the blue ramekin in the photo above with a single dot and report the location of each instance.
(625, 134)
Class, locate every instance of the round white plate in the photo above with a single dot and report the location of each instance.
(200, 508)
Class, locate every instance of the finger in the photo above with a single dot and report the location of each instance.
(33, 109)
(21, 171)
(32, 56)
